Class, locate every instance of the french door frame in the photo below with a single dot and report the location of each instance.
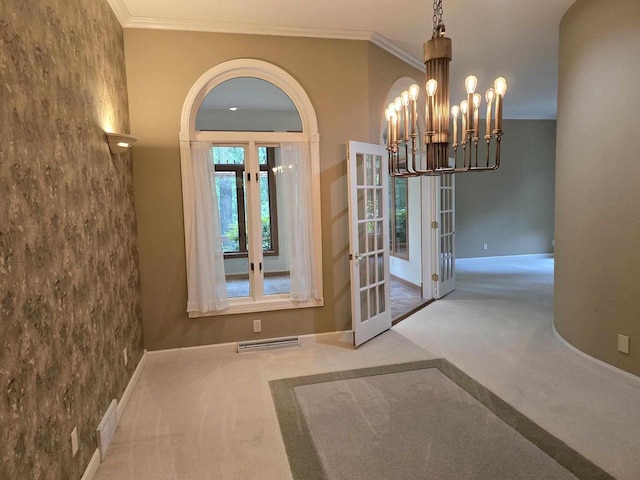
(368, 188)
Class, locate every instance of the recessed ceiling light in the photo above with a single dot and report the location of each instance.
(233, 109)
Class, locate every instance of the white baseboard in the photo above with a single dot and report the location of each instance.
(528, 255)
(334, 338)
(94, 463)
(340, 337)
(122, 404)
(628, 378)
(92, 468)
(230, 347)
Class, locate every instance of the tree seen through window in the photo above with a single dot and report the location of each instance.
(229, 163)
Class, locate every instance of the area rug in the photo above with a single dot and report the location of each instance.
(418, 420)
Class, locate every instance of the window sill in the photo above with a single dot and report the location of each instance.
(247, 305)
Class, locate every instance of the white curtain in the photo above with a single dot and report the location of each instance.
(207, 287)
(293, 172)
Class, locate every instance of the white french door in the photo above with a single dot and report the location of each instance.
(444, 233)
(369, 240)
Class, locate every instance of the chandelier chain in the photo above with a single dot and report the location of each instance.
(438, 24)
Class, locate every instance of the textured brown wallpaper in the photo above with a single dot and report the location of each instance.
(69, 278)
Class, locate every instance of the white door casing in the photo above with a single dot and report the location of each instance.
(368, 186)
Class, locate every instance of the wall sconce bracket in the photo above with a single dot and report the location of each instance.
(120, 142)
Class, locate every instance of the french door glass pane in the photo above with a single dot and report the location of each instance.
(231, 193)
(275, 237)
(262, 155)
(265, 212)
(228, 207)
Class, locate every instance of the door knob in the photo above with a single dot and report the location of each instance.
(358, 257)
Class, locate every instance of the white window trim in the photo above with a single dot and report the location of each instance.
(278, 77)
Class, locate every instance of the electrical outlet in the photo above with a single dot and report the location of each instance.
(257, 326)
(485, 246)
(126, 357)
(623, 344)
(553, 243)
(74, 441)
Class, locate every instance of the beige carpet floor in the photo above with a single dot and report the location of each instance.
(207, 414)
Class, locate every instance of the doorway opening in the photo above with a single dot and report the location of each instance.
(421, 229)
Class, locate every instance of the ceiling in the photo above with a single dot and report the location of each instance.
(516, 39)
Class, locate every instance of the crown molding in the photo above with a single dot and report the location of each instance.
(396, 51)
(120, 10)
(154, 23)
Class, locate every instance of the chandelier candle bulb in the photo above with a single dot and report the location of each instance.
(464, 109)
(498, 124)
(470, 83)
(427, 119)
(391, 115)
(455, 111)
(405, 104)
(397, 106)
(477, 99)
(500, 86)
(432, 87)
(414, 116)
(414, 92)
(393, 129)
(406, 124)
(432, 110)
(470, 111)
(489, 98)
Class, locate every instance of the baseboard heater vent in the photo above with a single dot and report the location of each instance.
(269, 344)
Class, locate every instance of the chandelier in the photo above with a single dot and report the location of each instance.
(441, 150)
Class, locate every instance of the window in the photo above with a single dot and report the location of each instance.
(229, 164)
(398, 214)
(250, 166)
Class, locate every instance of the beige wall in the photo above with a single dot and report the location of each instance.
(384, 70)
(511, 209)
(597, 209)
(161, 68)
